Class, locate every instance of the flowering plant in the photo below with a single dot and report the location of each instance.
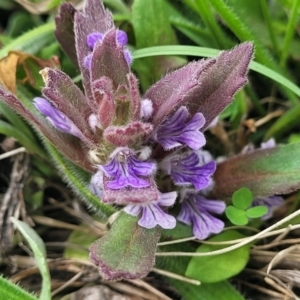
(145, 153)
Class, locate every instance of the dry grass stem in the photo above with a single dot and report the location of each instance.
(264, 290)
(279, 288)
(150, 288)
(68, 283)
(12, 152)
(236, 246)
(131, 290)
(58, 224)
(280, 255)
(176, 276)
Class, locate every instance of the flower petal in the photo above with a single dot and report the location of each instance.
(176, 131)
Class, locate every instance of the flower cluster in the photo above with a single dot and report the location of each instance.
(142, 151)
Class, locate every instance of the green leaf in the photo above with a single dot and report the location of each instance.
(12, 291)
(82, 240)
(294, 138)
(242, 198)
(126, 251)
(236, 216)
(15, 120)
(39, 250)
(265, 172)
(150, 21)
(256, 212)
(218, 267)
(206, 291)
(23, 139)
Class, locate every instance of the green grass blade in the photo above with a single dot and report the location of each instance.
(203, 9)
(267, 17)
(289, 33)
(208, 52)
(15, 120)
(39, 250)
(9, 130)
(11, 291)
(237, 26)
(31, 41)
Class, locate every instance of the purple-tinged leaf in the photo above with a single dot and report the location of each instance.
(121, 136)
(104, 102)
(70, 146)
(127, 251)
(135, 96)
(64, 30)
(94, 18)
(68, 99)
(206, 86)
(266, 172)
(170, 92)
(108, 60)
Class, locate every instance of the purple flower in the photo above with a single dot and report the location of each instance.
(59, 120)
(88, 61)
(271, 143)
(151, 212)
(197, 210)
(186, 170)
(94, 38)
(177, 131)
(271, 202)
(127, 56)
(125, 170)
(122, 38)
(96, 184)
(125, 179)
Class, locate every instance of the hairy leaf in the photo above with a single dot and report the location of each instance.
(265, 172)
(12, 291)
(108, 60)
(64, 30)
(94, 18)
(68, 145)
(206, 86)
(126, 251)
(68, 99)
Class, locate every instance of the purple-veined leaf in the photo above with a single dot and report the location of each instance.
(265, 172)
